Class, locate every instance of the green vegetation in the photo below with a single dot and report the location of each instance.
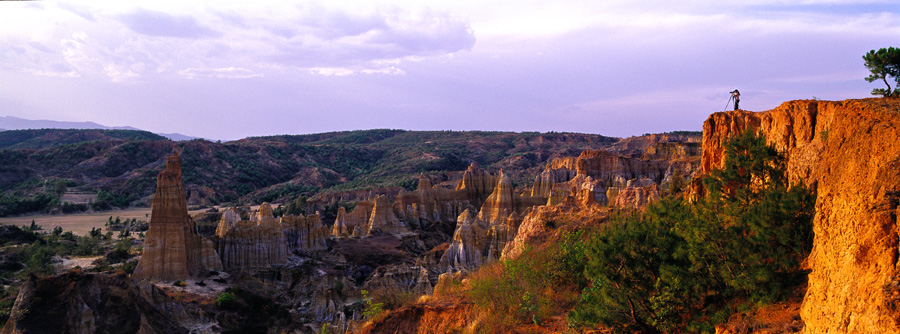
(43, 138)
(532, 287)
(687, 266)
(226, 301)
(372, 309)
(884, 63)
(15, 204)
(271, 169)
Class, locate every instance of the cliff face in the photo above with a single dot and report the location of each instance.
(255, 244)
(304, 233)
(849, 151)
(481, 238)
(607, 174)
(173, 249)
(93, 303)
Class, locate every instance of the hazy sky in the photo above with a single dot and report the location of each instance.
(227, 70)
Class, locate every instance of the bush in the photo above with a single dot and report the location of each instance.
(683, 266)
(372, 310)
(531, 287)
(14, 205)
(226, 301)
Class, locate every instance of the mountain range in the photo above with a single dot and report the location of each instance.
(15, 123)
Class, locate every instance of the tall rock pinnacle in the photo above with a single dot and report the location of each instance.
(174, 250)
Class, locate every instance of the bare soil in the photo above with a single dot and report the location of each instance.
(80, 223)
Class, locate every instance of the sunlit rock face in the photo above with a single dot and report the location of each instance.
(383, 218)
(173, 249)
(481, 238)
(848, 151)
(476, 183)
(604, 173)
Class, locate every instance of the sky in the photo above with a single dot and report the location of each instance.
(232, 69)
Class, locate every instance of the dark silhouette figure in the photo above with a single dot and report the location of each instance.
(737, 98)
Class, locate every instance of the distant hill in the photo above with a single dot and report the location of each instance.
(44, 138)
(278, 168)
(15, 123)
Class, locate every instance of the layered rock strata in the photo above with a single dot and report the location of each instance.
(173, 249)
(481, 238)
(604, 173)
(383, 218)
(428, 204)
(848, 151)
(253, 244)
(305, 233)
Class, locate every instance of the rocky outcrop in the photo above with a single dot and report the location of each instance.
(383, 218)
(400, 280)
(849, 152)
(304, 233)
(253, 244)
(476, 182)
(353, 223)
(429, 205)
(173, 249)
(604, 173)
(480, 238)
(229, 218)
(544, 221)
(635, 194)
(92, 303)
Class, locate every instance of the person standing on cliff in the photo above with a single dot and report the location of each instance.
(737, 98)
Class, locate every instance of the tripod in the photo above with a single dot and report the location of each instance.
(729, 102)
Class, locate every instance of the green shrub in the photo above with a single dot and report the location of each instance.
(226, 301)
(683, 266)
(372, 309)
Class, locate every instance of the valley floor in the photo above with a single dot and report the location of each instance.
(82, 223)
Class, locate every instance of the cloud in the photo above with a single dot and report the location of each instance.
(227, 40)
(340, 39)
(332, 71)
(225, 72)
(346, 71)
(159, 24)
(118, 73)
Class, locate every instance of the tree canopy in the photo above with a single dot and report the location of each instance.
(884, 63)
(684, 267)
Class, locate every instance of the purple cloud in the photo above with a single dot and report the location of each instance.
(153, 23)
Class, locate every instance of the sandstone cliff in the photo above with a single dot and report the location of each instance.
(383, 218)
(848, 151)
(304, 233)
(481, 238)
(173, 249)
(606, 174)
(476, 182)
(250, 245)
(429, 205)
(353, 223)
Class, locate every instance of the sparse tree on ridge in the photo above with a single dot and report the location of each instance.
(884, 63)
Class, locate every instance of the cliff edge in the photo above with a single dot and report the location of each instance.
(848, 151)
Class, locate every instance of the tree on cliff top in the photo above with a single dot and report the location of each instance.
(884, 63)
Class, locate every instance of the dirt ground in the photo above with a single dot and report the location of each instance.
(80, 223)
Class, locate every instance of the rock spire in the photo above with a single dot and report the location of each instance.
(174, 250)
